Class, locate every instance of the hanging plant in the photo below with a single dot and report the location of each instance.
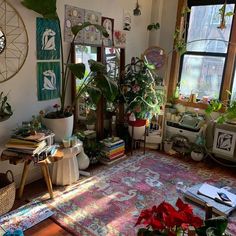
(180, 33)
(223, 14)
(5, 108)
(152, 26)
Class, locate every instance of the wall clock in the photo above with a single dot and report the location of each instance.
(13, 41)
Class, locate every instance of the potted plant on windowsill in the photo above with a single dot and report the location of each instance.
(141, 94)
(95, 78)
(229, 113)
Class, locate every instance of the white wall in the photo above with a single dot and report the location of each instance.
(22, 87)
(164, 12)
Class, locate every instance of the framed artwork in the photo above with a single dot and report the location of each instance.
(91, 35)
(47, 39)
(48, 74)
(108, 24)
(73, 16)
(119, 39)
(224, 142)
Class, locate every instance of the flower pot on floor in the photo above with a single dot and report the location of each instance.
(61, 127)
(139, 128)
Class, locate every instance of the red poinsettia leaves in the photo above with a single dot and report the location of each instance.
(156, 224)
(183, 206)
(165, 216)
(144, 217)
(196, 221)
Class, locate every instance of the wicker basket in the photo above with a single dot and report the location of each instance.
(7, 192)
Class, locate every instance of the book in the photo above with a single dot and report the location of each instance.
(107, 161)
(218, 194)
(115, 155)
(111, 148)
(111, 142)
(28, 145)
(193, 194)
(110, 152)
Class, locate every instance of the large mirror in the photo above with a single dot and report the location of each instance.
(113, 58)
(2, 41)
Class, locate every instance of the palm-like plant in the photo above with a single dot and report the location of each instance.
(96, 82)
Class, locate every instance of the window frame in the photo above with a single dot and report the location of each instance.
(177, 60)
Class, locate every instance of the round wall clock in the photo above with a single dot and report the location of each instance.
(13, 41)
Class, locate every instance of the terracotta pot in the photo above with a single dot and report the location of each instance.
(139, 128)
(61, 127)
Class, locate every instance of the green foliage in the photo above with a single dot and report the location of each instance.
(141, 93)
(154, 26)
(5, 107)
(228, 114)
(213, 227)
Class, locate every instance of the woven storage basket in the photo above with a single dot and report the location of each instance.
(7, 193)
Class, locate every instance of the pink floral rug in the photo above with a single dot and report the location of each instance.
(109, 202)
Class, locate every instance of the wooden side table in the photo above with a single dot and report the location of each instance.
(15, 158)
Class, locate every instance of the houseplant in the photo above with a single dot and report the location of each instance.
(142, 96)
(5, 108)
(229, 110)
(95, 82)
(166, 220)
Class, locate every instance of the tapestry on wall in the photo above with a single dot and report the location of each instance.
(119, 39)
(47, 39)
(91, 35)
(126, 20)
(48, 74)
(73, 16)
(108, 24)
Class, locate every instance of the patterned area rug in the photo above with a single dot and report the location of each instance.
(24, 217)
(109, 202)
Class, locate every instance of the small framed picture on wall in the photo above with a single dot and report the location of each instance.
(224, 142)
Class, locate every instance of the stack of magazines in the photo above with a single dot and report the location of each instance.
(32, 144)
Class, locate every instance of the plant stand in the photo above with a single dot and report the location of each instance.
(133, 140)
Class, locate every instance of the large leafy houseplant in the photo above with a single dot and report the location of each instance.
(140, 90)
(96, 82)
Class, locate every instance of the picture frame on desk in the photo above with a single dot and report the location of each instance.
(224, 142)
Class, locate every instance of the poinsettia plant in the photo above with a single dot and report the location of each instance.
(165, 219)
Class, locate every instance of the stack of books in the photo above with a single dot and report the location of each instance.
(32, 144)
(113, 149)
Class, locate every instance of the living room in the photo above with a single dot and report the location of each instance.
(179, 146)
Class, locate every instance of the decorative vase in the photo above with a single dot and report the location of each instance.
(139, 128)
(83, 160)
(61, 127)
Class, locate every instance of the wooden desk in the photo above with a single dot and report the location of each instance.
(15, 158)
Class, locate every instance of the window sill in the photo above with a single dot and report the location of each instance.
(199, 105)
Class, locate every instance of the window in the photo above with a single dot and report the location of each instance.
(207, 66)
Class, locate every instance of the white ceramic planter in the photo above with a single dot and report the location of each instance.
(61, 127)
(138, 132)
(197, 156)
